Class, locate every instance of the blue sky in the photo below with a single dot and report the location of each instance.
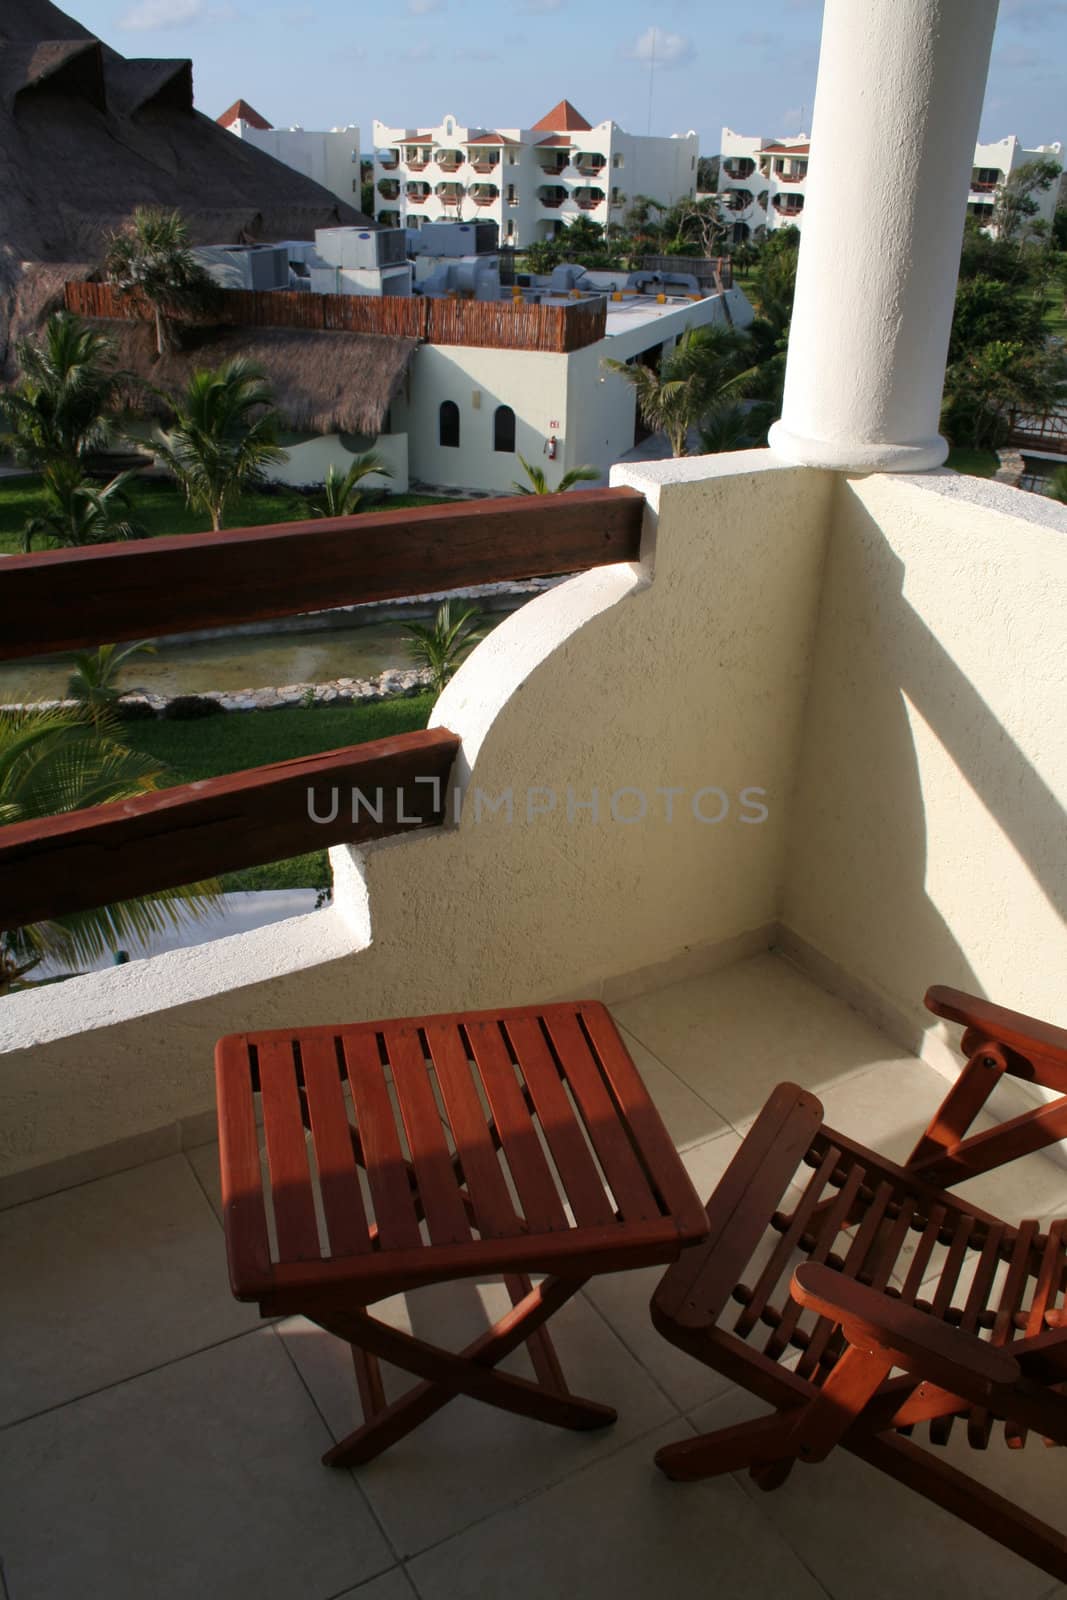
(505, 62)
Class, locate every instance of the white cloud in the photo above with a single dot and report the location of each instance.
(663, 48)
(415, 52)
(157, 15)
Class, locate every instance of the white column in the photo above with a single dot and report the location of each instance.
(896, 116)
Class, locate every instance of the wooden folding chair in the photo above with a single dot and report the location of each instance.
(859, 1298)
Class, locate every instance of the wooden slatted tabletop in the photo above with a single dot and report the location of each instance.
(518, 1140)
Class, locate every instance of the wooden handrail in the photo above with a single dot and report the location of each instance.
(70, 599)
(74, 599)
(82, 859)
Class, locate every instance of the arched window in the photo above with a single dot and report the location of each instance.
(504, 429)
(448, 425)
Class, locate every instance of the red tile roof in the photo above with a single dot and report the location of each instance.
(241, 111)
(557, 139)
(492, 138)
(785, 149)
(563, 118)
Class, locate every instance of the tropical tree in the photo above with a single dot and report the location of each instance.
(151, 258)
(78, 511)
(222, 438)
(341, 493)
(441, 645)
(54, 761)
(1057, 485)
(730, 426)
(1016, 207)
(707, 367)
(538, 483)
(94, 680)
(988, 387)
(58, 412)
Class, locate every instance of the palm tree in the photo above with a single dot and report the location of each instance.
(222, 438)
(729, 427)
(55, 761)
(707, 367)
(538, 483)
(151, 258)
(79, 512)
(441, 646)
(341, 493)
(94, 680)
(57, 412)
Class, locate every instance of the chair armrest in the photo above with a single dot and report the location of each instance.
(1042, 1045)
(918, 1342)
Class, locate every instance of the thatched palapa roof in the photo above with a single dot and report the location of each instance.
(322, 382)
(86, 136)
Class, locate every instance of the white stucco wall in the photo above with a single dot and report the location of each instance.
(309, 462)
(927, 837)
(686, 672)
(588, 409)
(532, 382)
(330, 158)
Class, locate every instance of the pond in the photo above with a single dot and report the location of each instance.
(235, 661)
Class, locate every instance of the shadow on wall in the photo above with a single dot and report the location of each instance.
(926, 845)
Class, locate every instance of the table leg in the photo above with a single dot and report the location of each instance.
(470, 1372)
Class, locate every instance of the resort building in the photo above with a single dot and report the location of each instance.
(331, 158)
(763, 182)
(451, 378)
(994, 163)
(530, 181)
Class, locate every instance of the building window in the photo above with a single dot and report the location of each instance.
(616, 161)
(448, 425)
(504, 430)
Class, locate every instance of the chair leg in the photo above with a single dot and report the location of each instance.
(759, 1444)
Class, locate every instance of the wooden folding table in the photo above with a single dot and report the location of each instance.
(404, 1153)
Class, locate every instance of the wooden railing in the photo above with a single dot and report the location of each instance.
(72, 599)
(489, 324)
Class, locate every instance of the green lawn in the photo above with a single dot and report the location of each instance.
(209, 746)
(160, 509)
(975, 463)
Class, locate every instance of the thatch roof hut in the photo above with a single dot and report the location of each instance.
(88, 136)
(322, 382)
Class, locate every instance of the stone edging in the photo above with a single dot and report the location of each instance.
(388, 685)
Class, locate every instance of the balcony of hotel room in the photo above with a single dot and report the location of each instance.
(873, 643)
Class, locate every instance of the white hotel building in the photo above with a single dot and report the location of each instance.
(763, 182)
(330, 158)
(530, 181)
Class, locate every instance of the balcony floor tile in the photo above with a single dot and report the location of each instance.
(620, 1531)
(202, 1478)
(734, 1034)
(107, 1280)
